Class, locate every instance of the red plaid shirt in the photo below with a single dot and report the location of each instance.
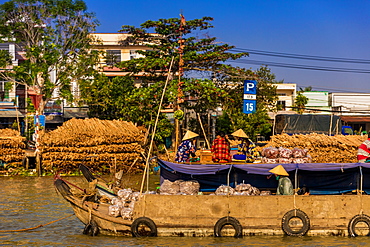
(220, 150)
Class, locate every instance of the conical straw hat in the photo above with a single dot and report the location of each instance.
(279, 170)
(189, 135)
(240, 133)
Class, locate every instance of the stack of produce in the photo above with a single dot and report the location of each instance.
(11, 147)
(322, 148)
(179, 187)
(101, 143)
(246, 190)
(240, 190)
(272, 155)
(124, 204)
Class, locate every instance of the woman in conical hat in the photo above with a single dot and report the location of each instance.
(189, 135)
(285, 186)
(187, 147)
(246, 149)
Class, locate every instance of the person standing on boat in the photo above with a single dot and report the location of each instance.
(221, 148)
(187, 147)
(285, 186)
(363, 152)
(246, 149)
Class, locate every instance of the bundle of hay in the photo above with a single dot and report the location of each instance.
(11, 147)
(322, 148)
(106, 146)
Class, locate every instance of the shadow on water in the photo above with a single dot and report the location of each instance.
(32, 201)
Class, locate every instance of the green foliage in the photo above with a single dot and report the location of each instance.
(202, 56)
(256, 123)
(300, 102)
(55, 37)
(117, 98)
(198, 54)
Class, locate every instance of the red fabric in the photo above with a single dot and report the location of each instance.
(220, 150)
(364, 151)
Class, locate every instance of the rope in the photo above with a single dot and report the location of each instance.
(32, 228)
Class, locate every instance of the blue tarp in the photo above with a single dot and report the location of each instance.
(319, 178)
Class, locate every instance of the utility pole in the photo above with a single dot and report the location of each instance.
(180, 95)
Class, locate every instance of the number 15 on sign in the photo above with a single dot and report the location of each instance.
(249, 106)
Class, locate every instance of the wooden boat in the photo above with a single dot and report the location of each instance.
(226, 215)
(92, 213)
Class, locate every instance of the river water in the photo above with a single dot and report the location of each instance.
(27, 202)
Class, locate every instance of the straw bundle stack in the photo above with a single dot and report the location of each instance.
(11, 147)
(322, 148)
(103, 144)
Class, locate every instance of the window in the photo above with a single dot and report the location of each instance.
(281, 105)
(113, 57)
(133, 54)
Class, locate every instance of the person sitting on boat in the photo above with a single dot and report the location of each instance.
(285, 186)
(363, 152)
(246, 149)
(187, 147)
(221, 148)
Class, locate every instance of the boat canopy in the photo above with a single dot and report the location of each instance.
(319, 178)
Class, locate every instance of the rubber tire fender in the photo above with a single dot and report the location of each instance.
(357, 219)
(143, 221)
(295, 213)
(228, 221)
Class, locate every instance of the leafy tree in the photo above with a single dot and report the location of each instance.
(117, 98)
(300, 102)
(258, 122)
(172, 38)
(54, 36)
(196, 55)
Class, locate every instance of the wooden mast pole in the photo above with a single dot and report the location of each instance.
(180, 94)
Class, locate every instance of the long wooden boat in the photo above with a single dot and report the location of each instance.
(227, 215)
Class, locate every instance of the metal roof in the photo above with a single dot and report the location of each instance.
(10, 114)
(351, 119)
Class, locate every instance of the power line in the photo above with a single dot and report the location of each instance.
(295, 66)
(305, 57)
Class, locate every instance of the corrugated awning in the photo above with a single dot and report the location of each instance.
(356, 119)
(7, 114)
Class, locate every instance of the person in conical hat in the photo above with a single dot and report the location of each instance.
(285, 186)
(187, 148)
(189, 135)
(247, 150)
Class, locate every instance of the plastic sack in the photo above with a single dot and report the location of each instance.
(299, 153)
(285, 153)
(189, 187)
(170, 188)
(224, 190)
(270, 152)
(124, 194)
(126, 213)
(114, 210)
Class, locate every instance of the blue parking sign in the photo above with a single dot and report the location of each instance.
(250, 96)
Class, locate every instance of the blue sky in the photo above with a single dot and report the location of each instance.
(323, 28)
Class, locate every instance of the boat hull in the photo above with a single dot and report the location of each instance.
(206, 215)
(197, 215)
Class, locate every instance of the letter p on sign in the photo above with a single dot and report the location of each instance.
(250, 87)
